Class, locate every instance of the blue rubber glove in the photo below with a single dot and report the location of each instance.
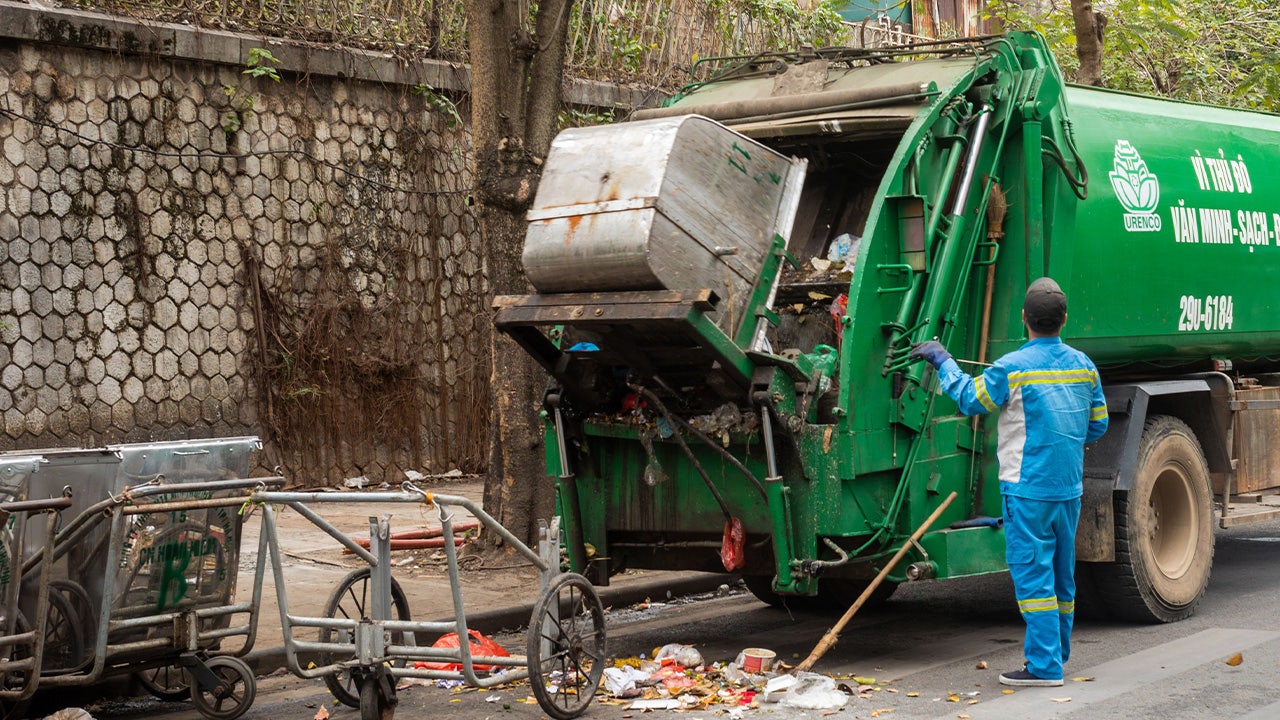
(932, 351)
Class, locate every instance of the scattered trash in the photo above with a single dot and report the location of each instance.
(1235, 660)
(1061, 700)
(814, 692)
(414, 476)
(756, 660)
(982, 664)
(356, 483)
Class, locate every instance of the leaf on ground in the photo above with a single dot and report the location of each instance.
(321, 714)
(863, 680)
(1007, 691)
(1236, 659)
(1083, 678)
(913, 694)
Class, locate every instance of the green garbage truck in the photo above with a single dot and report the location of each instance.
(726, 290)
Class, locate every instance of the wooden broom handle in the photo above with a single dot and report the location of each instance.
(829, 639)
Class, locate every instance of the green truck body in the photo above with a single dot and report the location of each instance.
(954, 174)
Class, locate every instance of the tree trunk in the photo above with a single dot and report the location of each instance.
(516, 75)
(1088, 42)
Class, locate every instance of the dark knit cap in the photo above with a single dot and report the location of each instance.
(1045, 306)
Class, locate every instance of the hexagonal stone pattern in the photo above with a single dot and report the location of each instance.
(296, 261)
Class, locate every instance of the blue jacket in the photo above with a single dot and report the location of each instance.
(1051, 404)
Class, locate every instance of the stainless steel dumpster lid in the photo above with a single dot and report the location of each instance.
(14, 465)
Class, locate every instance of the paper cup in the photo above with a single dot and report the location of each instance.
(757, 660)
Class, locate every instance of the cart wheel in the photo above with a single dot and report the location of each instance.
(566, 647)
(75, 594)
(351, 601)
(236, 695)
(373, 706)
(204, 579)
(171, 683)
(18, 679)
(63, 643)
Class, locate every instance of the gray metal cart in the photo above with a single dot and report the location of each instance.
(135, 573)
(367, 641)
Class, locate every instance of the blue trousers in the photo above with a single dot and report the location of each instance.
(1040, 548)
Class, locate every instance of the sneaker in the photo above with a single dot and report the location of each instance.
(1022, 678)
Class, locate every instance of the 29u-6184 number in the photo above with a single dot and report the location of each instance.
(1214, 312)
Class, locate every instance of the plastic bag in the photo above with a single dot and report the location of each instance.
(480, 646)
(683, 655)
(814, 692)
(625, 682)
(672, 677)
(840, 308)
(733, 545)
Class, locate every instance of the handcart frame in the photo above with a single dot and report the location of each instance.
(188, 635)
(364, 656)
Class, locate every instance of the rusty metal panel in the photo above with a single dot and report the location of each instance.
(1258, 438)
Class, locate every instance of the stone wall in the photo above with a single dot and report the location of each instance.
(191, 251)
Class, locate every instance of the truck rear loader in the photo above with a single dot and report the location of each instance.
(727, 290)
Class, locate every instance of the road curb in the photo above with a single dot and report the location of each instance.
(268, 660)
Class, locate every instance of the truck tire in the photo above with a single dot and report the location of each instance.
(1164, 529)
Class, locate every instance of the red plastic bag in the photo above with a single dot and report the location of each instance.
(733, 545)
(840, 308)
(480, 646)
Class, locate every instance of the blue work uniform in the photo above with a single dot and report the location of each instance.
(1051, 404)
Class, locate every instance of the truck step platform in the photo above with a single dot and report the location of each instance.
(1251, 508)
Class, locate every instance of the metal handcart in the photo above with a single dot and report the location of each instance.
(134, 572)
(367, 641)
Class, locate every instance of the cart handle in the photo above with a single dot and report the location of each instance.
(58, 503)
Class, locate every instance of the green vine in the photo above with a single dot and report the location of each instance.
(440, 102)
(241, 102)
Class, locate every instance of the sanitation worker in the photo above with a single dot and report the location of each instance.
(1051, 404)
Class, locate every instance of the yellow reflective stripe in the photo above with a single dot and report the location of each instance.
(1038, 604)
(1067, 608)
(980, 387)
(1055, 377)
(1098, 413)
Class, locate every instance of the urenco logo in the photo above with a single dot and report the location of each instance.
(1136, 188)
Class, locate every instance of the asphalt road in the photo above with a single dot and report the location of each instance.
(924, 649)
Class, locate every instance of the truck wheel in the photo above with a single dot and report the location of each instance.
(1164, 529)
